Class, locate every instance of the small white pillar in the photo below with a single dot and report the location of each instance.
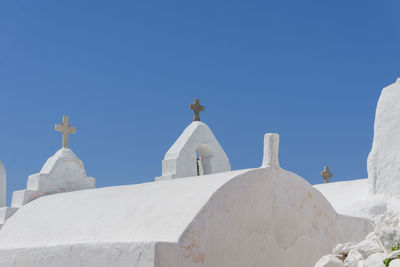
(271, 149)
(3, 189)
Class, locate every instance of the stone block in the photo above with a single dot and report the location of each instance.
(329, 261)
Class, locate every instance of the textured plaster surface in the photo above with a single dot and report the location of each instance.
(344, 194)
(384, 158)
(241, 218)
(265, 217)
(354, 199)
(180, 159)
(63, 172)
(83, 255)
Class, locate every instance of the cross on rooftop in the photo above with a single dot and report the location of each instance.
(326, 174)
(65, 129)
(196, 107)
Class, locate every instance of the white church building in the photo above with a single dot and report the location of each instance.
(199, 212)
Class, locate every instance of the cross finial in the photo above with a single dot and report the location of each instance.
(65, 129)
(326, 174)
(196, 107)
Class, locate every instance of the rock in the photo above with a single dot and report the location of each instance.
(394, 254)
(371, 235)
(390, 218)
(353, 258)
(344, 248)
(368, 247)
(395, 263)
(329, 261)
(375, 260)
(372, 251)
(389, 237)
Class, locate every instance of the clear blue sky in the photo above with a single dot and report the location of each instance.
(126, 71)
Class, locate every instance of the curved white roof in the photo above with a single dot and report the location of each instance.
(249, 217)
(157, 211)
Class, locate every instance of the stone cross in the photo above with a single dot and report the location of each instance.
(65, 129)
(196, 107)
(326, 174)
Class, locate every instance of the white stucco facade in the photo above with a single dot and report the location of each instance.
(384, 158)
(254, 217)
(240, 218)
(181, 159)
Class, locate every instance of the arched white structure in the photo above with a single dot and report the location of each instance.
(3, 185)
(181, 159)
(255, 217)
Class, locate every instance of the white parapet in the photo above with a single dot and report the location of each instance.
(195, 152)
(384, 158)
(271, 150)
(63, 172)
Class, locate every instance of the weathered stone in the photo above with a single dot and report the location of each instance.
(66, 130)
(353, 258)
(344, 248)
(368, 247)
(390, 219)
(329, 261)
(394, 255)
(196, 107)
(326, 174)
(395, 263)
(389, 237)
(375, 260)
